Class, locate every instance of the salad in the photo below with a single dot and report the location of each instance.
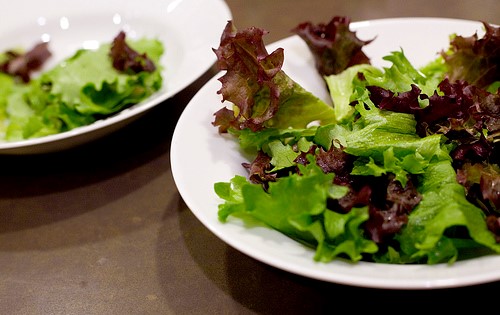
(402, 169)
(88, 86)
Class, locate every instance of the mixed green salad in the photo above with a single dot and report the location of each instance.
(402, 169)
(90, 85)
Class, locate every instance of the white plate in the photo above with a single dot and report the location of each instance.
(200, 157)
(189, 29)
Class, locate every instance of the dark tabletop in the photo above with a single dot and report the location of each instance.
(101, 228)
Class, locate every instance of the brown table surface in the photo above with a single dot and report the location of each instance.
(101, 228)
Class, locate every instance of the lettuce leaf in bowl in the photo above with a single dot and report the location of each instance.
(82, 89)
(403, 170)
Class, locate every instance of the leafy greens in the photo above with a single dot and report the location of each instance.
(90, 85)
(404, 168)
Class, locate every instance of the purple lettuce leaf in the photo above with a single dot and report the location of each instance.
(334, 46)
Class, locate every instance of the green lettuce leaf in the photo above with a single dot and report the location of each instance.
(77, 92)
(296, 206)
(443, 208)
